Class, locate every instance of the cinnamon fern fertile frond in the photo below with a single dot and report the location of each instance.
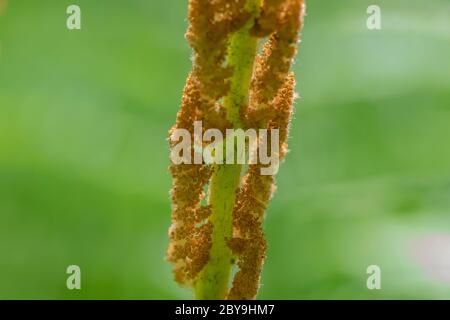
(231, 86)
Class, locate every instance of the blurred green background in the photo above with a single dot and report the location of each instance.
(83, 154)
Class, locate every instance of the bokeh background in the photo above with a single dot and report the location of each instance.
(83, 154)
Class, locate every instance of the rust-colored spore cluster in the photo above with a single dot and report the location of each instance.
(211, 23)
(190, 243)
(270, 106)
(248, 241)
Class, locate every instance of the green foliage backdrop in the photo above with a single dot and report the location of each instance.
(83, 154)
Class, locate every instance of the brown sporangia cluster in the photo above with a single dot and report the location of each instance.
(270, 106)
(248, 242)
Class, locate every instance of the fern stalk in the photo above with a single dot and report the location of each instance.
(213, 280)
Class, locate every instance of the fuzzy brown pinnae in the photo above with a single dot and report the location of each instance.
(269, 106)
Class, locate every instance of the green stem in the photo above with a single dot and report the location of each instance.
(212, 283)
(241, 56)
